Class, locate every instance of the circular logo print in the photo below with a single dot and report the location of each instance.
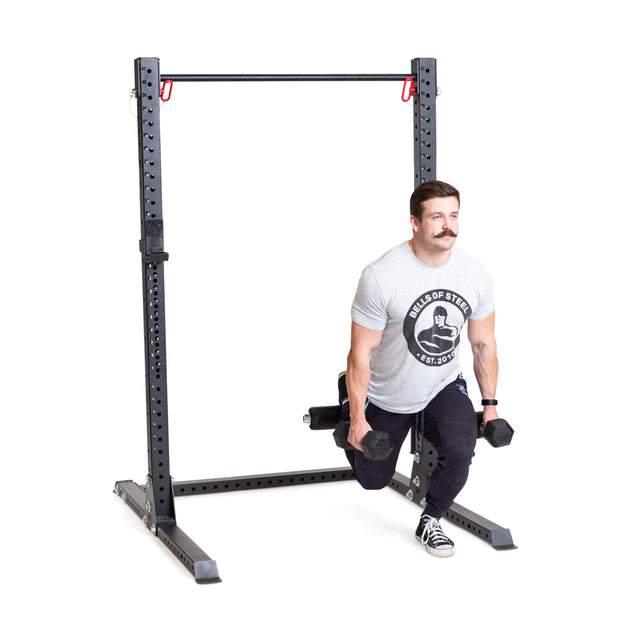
(433, 325)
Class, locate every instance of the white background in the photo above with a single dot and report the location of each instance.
(275, 197)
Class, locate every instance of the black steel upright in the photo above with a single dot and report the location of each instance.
(159, 492)
(423, 71)
(153, 501)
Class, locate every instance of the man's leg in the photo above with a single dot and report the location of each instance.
(450, 426)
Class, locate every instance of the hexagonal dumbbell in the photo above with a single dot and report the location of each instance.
(376, 445)
(498, 432)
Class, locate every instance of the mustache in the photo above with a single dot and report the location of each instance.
(446, 232)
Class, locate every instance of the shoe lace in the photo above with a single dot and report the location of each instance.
(433, 531)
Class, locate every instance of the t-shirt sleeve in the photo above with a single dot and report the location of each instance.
(485, 306)
(369, 308)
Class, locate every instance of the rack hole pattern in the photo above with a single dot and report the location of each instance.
(178, 553)
(481, 532)
(152, 242)
(424, 119)
(260, 482)
(157, 386)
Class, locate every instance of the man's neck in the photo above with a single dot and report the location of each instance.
(429, 257)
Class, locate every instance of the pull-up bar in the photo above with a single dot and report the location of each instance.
(285, 78)
(408, 79)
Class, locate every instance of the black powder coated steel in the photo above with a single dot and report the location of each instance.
(262, 481)
(424, 119)
(158, 491)
(203, 568)
(154, 503)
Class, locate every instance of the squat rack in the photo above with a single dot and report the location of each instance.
(153, 501)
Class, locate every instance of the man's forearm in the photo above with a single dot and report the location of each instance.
(358, 375)
(485, 367)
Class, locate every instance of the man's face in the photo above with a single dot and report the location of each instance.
(438, 229)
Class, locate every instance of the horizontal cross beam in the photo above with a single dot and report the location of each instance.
(284, 78)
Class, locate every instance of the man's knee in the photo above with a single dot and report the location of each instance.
(373, 479)
(373, 483)
(370, 479)
(456, 457)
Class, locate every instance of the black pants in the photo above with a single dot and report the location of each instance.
(449, 423)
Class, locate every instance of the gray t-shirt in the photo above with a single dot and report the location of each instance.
(422, 311)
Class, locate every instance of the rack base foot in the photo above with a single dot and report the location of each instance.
(494, 534)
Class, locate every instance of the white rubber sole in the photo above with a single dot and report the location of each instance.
(438, 553)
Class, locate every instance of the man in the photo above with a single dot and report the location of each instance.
(404, 368)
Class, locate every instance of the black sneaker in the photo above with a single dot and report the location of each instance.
(430, 534)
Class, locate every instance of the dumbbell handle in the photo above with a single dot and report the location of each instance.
(480, 420)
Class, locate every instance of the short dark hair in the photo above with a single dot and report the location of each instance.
(427, 191)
